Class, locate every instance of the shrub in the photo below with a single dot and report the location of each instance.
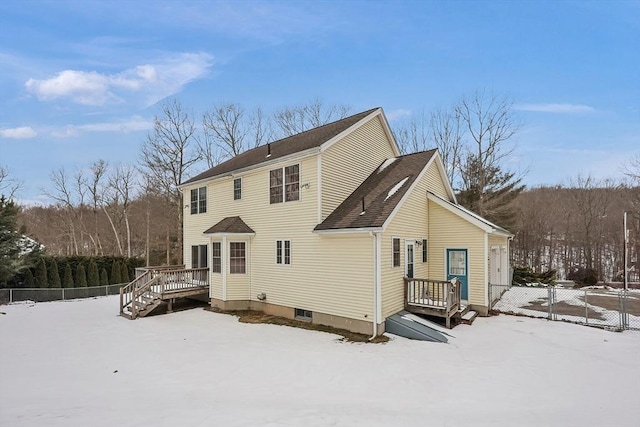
(93, 278)
(115, 273)
(81, 276)
(67, 276)
(124, 273)
(28, 281)
(53, 275)
(583, 276)
(524, 275)
(41, 279)
(104, 277)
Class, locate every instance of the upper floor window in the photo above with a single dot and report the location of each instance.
(199, 200)
(284, 184)
(237, 189)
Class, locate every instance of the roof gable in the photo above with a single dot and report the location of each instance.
(230, 225)
(380, 193)
(468, 215)
(312, 138)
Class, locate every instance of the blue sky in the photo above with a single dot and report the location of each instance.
(80, 80)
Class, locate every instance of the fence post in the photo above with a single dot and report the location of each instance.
(550, 302)
(10, 295)
(586, 308)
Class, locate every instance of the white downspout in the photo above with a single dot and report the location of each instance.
(377, 283)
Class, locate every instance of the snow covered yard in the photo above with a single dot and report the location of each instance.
(76, 363)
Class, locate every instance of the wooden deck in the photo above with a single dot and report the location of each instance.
(154, 286)
(433, 298)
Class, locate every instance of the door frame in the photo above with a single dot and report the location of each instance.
(407, 243)
(464, 288)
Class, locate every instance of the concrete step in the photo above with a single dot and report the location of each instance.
(469, 317)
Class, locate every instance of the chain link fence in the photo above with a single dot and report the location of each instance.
(8, 296)
(604, 307)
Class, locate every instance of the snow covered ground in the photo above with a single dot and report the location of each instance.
(76, 363)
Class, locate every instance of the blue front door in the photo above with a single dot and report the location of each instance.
(457, 266)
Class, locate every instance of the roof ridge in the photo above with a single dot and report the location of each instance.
(292, 144)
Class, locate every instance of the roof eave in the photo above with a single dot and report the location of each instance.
(359, 230)
(227, 233)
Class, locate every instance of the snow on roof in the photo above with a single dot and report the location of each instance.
(386, 163)
(395, 189)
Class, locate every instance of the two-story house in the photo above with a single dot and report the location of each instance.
(331, 225)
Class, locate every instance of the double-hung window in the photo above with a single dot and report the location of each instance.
(199, 256)
(396, 252)
(283, 252)
(284, 184)
(216, 257)
(237, 189)
(199, 200)
(237, 258)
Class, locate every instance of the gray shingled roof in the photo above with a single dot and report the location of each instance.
(293, 144)
(230, 224)
(378, 192)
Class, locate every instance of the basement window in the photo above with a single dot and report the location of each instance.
(302, 314)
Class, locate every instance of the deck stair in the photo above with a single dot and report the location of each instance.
(469, 317)
(155, 286)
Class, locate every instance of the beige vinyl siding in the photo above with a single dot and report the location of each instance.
(327, 274)
(348, 162)
(195, 224)
(436, 185)
(409, 223)
(447, 230)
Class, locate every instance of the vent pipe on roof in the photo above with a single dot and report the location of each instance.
(268, 149)
(362, 213)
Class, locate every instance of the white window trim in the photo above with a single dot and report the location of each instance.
(234, 188)
(197, 202)
(284, 184)
(400, 243)
(424, 247)
(221, 257)
(246, 257)
(283, 253)
(408, 242)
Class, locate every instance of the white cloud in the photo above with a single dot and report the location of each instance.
(556, 108)
(135, 124)
(23, 132)
(151, 81)
(397, 114)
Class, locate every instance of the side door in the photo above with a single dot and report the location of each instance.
(409, 258)
(457, 266)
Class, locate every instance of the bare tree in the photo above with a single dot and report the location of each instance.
(98, 171)
(225, 127)
(123, 183)
(8, 186)
(446, 134)
(293, 120)
(486, 187)
(412, 135)
(261, 128)
(167, 157)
